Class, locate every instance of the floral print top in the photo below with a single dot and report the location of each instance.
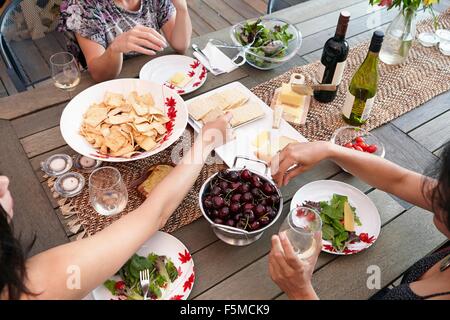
(103, 20)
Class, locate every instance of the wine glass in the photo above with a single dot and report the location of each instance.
(300, 226)
(107, 191)
(65, 71)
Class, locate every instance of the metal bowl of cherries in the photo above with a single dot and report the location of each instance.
(240, 203)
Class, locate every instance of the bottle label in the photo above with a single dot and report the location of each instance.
(350, 101)
(338, 73)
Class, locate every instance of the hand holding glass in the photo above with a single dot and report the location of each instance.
(300, 226)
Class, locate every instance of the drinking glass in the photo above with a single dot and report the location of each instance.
(65, 71)
(107, 191)
(300, 226)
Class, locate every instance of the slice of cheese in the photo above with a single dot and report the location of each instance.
(180, 80)
(287, 96)
(349, 218)
(262, 139)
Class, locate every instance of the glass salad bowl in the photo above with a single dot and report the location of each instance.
(276, 42)
(359, 139)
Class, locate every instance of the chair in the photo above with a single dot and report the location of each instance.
(28, 39)
(276, 5)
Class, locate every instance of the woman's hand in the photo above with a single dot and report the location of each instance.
(303, 156)
(5, 196)
(139, 39)
(292, 274)
(217, 132)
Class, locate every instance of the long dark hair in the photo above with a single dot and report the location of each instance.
(12, 261)
(439, 194)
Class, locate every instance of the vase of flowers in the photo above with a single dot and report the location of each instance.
(402, 30)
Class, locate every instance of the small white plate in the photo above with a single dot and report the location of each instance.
(166, 99)
(163, 244)
(247, 133)
(161, 69)
(323, 190)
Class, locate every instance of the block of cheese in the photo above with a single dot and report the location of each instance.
(287, 96)
(180, 80)
(266, 148)
(349, 218)
(296, 115)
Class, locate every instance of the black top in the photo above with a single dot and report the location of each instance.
(403, 291)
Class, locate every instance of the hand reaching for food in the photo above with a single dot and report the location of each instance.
(140, 39)
(297, 158)
(218, 132)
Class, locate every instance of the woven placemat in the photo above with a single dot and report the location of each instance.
(82, 219)
(424, 75)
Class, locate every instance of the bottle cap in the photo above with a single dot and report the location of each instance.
(377, 40)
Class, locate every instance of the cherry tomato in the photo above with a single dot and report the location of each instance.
(372, 148)
(120, 285)
(359, 139)
(348, 145)
(310, 217)
(359, 148)
(363, 145)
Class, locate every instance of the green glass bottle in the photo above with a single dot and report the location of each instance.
(363, 87)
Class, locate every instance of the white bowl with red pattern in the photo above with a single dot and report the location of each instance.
(162, 69)
(165, 99)
(163, 244)
(323, 190)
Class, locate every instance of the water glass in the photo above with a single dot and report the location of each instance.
(300, 226)
(65, 70)
(107, 191)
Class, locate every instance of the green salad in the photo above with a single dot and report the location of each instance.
(337, 221)
(162, 273)
(271, 43)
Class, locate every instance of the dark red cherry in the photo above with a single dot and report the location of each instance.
(255, 225)
(218, 202)
(245, 187)
(236, 197)
(235, 207)
(267, 189)
(260, 210)
(224, 212)
(246, 175)
(216, 191)
(230, 222)
(264, 221)
(247, 197)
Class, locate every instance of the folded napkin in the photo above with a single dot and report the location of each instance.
(217, 59)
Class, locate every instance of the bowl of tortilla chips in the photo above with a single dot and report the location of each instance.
(123, 120)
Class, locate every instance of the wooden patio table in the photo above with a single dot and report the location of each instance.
(29, 133)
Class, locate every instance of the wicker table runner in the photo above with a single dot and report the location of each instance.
(425, 75)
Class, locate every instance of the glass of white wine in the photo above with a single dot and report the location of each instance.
(300, 226)
(65, 71)
(107, 191)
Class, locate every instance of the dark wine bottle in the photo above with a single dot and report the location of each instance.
(333, 60)
(363, 86)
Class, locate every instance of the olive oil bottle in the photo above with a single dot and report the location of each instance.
(363, 86)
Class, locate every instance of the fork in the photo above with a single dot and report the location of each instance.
(144, 278)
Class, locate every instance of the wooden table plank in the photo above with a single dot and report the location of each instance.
(38, 121)
(43, 141)
(433, 134)
(244, 9)
(199, 26)
(259, 5)
(33, 213)
(400, 244)
(402, 150)
(424, 113)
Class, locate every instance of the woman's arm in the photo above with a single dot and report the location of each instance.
(103, 254)
(377, 172)
(178, 29)
(105, 64)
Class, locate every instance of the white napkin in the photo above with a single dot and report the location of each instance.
(217, 58)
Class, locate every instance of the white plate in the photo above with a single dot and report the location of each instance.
(165, 98)
(323, 190)
(161, 69)
(247, 133)
(163, 244)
